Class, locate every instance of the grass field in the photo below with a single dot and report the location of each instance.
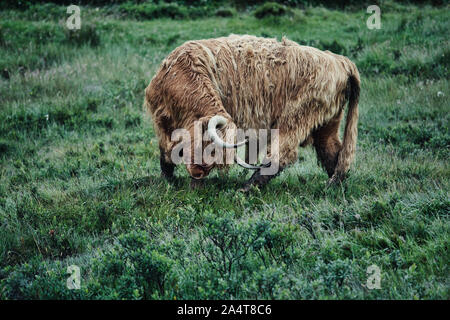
(80, 180)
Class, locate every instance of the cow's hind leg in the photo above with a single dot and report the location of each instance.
(327, 144)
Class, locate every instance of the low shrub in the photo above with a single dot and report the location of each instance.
(86, 35)
(133, 269)
(150, 11)
(225, 12)
(270, 9)
(333, 46)
(2, 37)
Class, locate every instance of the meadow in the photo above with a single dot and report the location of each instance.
(80, 179)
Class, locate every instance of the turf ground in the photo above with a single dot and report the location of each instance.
(80, 180)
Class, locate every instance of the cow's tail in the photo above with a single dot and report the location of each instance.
(347, 153)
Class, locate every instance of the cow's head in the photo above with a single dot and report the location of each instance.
(206, 140)
(210, 145)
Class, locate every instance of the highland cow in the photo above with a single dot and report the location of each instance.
(250, 82)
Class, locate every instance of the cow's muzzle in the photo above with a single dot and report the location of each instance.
(198, 171)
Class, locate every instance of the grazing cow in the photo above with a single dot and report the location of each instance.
(251, 82)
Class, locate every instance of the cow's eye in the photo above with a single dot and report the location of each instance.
(181, 152)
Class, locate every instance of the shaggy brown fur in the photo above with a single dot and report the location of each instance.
(262, 84)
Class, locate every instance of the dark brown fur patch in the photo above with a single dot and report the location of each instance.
(166, 124)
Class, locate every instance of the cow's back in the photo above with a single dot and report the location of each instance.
(259, 79)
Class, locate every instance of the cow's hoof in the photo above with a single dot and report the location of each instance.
(245, 189)
(168, 177)
(248, 187)
(335, 179)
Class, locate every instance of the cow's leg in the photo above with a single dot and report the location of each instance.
(257, 179)
(327, 144)
(167, 168)
(308, 141)
(247, 152)
(287, 154)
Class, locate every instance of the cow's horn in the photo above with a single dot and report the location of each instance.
(249, 166)
(212, 125)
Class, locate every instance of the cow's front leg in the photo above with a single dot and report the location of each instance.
(167, 168)
(287, 154)
(258, 179)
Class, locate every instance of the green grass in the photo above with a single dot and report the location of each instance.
(80, 184)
